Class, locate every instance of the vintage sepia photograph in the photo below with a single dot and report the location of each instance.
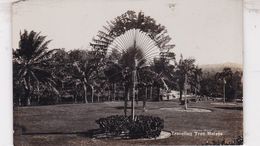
(127, 72)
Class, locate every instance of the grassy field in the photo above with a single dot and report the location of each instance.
(64, 125)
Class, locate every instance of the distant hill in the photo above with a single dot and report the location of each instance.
(214, 68)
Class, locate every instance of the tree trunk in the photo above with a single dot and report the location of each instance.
(196, 95)
(151, 92)
(28, 96)
(19, 101)
(133, 104)
(180, 99)
(75, 98)
(185, 104)
(57, 99)
(235, 94)
(133, 98)
(144, 100)
(109, 95)
(114, 91)
(159, 96)
(137, 96)
(85, 93)
(38, 99)
(92, 94)
(28, 101)
(126, 97)
(224, 93)
(185, 91)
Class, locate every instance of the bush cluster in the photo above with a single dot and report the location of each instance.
(140, 127)
(236, 141)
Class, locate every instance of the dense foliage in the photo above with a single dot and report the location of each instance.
(213, 84)
(141, 127)
(236, 141)
(52, 76)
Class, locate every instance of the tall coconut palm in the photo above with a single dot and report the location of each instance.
(31, 64)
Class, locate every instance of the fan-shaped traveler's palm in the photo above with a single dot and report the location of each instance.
(137, 53)
(137, 37)
(128, 21)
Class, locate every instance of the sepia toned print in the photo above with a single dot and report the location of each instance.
(127, 72)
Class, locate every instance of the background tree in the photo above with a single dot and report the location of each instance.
(196, 77)
(209, 85)
(187, 74)
(146, 78)
(84, 70)
(237, 84)
(164, 79)
(230, 82)
(61, 65)
(184, 71)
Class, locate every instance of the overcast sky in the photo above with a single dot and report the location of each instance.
(207, 30)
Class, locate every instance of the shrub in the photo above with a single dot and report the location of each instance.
(141, 127)
(113, 124)
(236, 141)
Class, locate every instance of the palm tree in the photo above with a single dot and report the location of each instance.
(226, 77)
(135, 57)
(31, 64)
(83, 70)
(196, 78)
(146, 78)
(127, 21)
(163, 69)
(237, 84)
(61, 65)
(184, 75)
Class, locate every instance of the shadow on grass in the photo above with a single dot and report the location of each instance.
(122, 107)
(99, 134)
(231, 108)
(93, 133)
(90, 133)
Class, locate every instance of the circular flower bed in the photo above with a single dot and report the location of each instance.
(140, 127)
(190, 109)
(221, 103)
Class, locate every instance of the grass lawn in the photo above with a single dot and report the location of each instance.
(56, 125)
